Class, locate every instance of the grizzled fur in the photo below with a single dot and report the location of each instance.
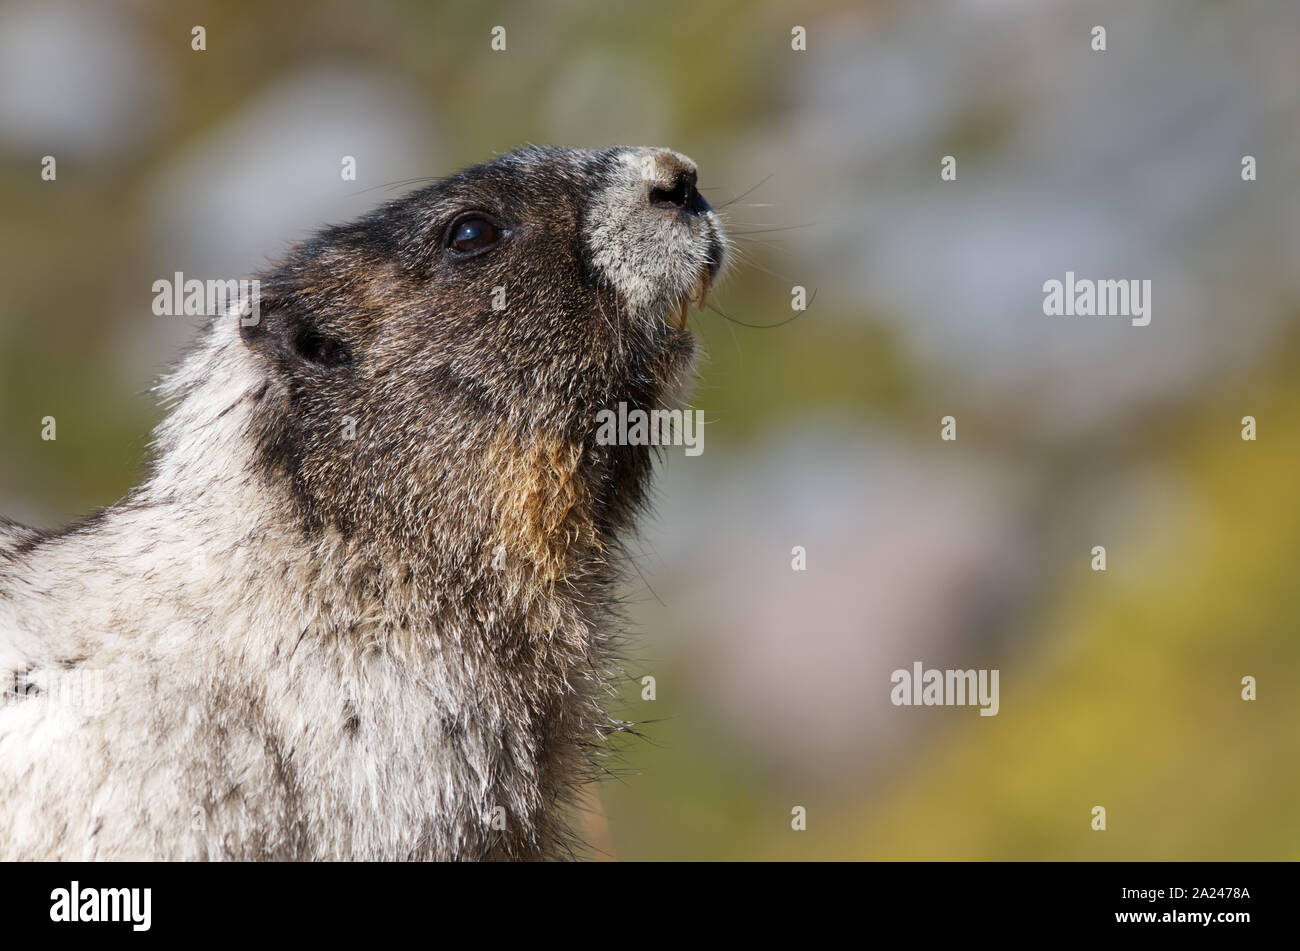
(292, 644)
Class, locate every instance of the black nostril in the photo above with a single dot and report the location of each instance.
(681, 193)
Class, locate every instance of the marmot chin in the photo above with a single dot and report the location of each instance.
(362, 605)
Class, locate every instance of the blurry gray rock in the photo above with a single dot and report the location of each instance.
(76, 82)
(271, 173)
(1116, 164)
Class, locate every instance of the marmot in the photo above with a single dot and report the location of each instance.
(362, 605)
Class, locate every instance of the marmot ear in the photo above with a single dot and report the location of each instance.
(287, 331)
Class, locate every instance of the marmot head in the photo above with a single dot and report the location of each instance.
(445, 357)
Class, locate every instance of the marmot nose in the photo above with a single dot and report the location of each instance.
(673, 183)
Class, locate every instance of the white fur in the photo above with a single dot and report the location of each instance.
(621, 229)
(187, 645)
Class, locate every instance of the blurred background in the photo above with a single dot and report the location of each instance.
(1119, 688)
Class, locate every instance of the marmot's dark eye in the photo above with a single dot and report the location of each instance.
(473, 233)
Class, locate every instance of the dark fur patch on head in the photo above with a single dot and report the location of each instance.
(399, 372)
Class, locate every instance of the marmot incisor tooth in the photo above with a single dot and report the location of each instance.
(292, 644)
